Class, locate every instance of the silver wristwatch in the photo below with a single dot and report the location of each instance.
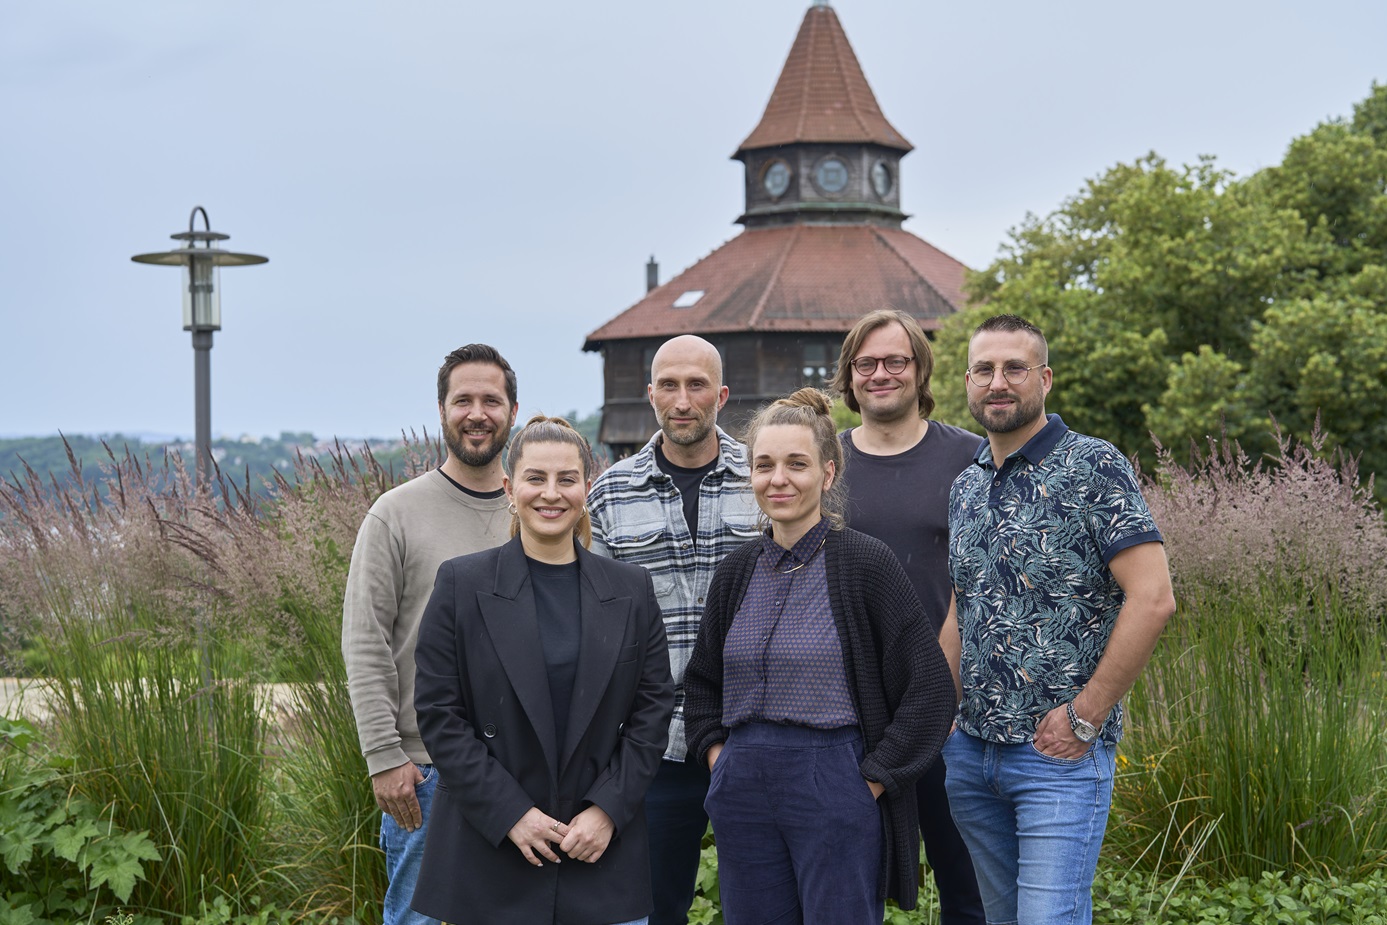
(1084, 731)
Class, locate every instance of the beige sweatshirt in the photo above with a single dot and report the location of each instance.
(408, 533)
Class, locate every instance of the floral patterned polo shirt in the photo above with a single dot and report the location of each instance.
(1029, 546)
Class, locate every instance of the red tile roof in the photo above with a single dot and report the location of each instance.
(822, 94)
(798, 278)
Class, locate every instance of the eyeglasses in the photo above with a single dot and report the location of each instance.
(1014, 373)
(865, 366)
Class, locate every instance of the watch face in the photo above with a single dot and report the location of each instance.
(881, 179)
(776, 178)
(831, 175)
(1084, 731)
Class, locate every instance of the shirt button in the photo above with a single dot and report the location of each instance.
(686, 545)
(700, 600)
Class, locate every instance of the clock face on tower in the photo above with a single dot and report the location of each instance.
(881, 179)
(776, 178)
(831, 175)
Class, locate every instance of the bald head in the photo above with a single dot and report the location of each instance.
(688, 350)
(686, 392)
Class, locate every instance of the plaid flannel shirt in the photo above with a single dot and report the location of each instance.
(638, 516)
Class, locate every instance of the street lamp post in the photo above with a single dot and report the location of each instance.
(202, 314)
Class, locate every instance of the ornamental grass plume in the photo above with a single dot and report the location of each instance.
(154, 612)
(1300, 515)
(113, 583)
(1257, 735)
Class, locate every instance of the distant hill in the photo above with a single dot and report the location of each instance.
(253, 461)
(245, 460)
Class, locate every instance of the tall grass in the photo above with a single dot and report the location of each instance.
(328, 836)
(1256, 740)
(158, 614)
(120, 600)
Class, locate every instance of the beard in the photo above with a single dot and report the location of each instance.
(1021, 414)
(694, 433)
(477, 457)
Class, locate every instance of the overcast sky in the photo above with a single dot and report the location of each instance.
(426, 174)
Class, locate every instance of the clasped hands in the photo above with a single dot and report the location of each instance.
(585, 838)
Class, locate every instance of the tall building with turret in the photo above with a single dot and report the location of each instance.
(822, 245)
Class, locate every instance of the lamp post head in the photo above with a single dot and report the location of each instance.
(201, 300)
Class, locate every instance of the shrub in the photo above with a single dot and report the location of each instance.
(118, 583)
(1256, 742)
(158, 613)
(1125, 898)
(63, 857)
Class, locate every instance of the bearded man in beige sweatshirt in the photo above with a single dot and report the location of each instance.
(454, 510)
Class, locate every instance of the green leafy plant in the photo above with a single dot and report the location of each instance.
(63, 855)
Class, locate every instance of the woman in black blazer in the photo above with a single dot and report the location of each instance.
(544, 696)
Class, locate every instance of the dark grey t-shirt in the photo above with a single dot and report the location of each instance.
(903, 500)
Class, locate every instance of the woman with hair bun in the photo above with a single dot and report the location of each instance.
(544, 696)
(816, 693)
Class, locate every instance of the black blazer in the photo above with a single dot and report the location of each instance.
(487, 720)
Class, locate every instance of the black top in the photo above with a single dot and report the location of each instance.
(688, 482)
(900, 683)
(556, 608)
(485, 495)
(903, 500)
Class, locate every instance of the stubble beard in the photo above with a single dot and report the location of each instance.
(1022, 415)
(873, 410)
(692, 437)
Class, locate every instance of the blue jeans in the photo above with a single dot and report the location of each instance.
(404, 852)
(947, 852)
(675, 817)
(1033, 824)
(799, 834)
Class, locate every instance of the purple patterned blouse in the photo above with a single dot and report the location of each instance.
(782, 659)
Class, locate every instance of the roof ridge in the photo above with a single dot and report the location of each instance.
(812, 24)
(843, 81)
(905, 260)
(790, 240)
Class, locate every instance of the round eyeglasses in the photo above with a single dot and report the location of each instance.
(1014, 373)
(865, 366)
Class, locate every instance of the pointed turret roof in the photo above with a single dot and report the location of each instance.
(822, 94)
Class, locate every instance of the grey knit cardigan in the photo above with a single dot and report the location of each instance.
(899, 680)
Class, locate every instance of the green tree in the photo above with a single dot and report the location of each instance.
(1185, 302)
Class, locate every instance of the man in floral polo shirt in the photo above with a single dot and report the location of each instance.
(1062, 590)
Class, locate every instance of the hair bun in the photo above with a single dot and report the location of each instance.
(809, 397)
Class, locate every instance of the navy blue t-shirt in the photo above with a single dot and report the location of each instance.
(903, 500)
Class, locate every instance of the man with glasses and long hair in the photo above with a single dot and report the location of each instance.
(899, 466)
(1062, 590)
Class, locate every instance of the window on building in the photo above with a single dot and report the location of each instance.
(648, 360)
(817, 366)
